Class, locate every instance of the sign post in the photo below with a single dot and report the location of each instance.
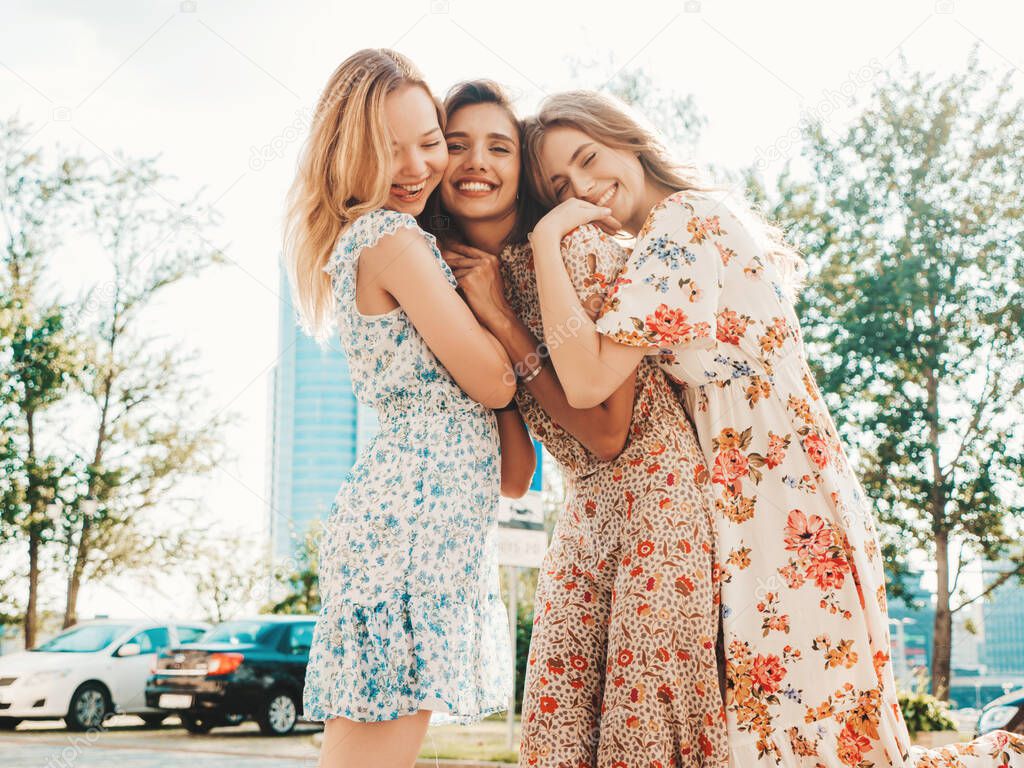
(522, 543)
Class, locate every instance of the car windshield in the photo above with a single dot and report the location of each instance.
(237, 632)
(87, 639)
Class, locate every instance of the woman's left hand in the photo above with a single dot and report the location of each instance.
(573, 213)
(479, 277)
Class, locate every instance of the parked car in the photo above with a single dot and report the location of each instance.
(1005, 713)
(87, 672)
(240, 669)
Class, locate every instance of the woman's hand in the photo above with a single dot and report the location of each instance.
(572, 213)
(479, 276)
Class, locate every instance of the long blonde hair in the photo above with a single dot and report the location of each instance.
(612, 123)
(344, 171)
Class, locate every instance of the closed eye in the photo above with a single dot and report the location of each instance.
(589, 158)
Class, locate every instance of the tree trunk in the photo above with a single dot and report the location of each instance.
(943, 644)
(33, 587)
(75, 577)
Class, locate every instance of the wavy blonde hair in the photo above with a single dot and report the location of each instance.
(611, 122)
(344, 171)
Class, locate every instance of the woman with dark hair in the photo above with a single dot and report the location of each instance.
(622, 668)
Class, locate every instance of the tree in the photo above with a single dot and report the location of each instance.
(102, 418)
(37, 358)
(912, 223)
(299, 576)
(150, 431)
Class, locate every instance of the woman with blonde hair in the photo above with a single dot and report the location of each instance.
(411, 620)
(705, 294)
(622, 669)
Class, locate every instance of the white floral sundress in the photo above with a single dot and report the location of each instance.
(411, 615)
(808, 668)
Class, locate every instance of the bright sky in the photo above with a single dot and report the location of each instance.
(222, 91)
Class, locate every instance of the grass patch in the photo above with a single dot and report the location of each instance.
(486, 740)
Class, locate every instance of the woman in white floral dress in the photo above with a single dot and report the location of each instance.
(412, 621)
(808, 670)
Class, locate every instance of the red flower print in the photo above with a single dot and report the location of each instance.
(705, 745)
(578, 662)
(808, 537)
(633, 721)
(665, 694)
(829, 572)
(730, 466)
(625, 658)
(645, 548)
(548, 704)
(668, 325)
(817, 450)
(768, 672)
(556, 667)
(776, 450)
(684, 585)
(852, 745)
(731, 326)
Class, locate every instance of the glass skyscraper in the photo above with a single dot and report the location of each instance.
(316, 429)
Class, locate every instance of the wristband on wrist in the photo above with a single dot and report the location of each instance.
(532, 374)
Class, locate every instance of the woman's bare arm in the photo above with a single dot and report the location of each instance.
(518, 458)
(602, 429)
(403, 265)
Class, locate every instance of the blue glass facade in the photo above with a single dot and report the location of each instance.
(1003, 652)
(316, 429)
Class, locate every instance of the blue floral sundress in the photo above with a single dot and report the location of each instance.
(411, 614)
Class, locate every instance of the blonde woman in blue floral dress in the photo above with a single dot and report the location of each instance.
(808, 673)
(412, 625)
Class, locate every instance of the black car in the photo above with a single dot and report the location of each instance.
(239, 669)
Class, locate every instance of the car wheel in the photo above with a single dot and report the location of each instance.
(234, 719)
(196, 723)
(8, 723)
(153, 721)
(278, 715)
(89, 707)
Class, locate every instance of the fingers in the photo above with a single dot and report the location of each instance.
(454, 259)
(609, 224)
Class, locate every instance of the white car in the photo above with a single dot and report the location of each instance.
(87, 672)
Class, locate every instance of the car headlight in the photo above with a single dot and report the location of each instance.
(995, 718)
(46, 676)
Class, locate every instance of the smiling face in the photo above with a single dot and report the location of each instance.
(482, 177)
(420, 155)
(577, 166)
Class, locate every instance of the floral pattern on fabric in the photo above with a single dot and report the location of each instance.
(622, 669)
(411, 614)
(809, 677)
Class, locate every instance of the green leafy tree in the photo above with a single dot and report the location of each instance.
(298, 577)
(38, 360)
(912, 224)
(150, 430)
(103, 419)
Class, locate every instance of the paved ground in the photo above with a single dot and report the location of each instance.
(125, 743)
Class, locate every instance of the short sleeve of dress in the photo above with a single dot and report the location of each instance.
(365, 232)
(667, 293)
(591, 259)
